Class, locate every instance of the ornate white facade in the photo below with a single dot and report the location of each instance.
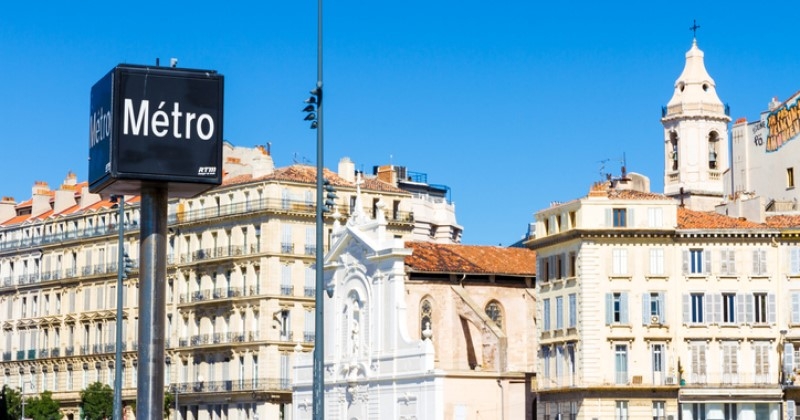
(373, 369)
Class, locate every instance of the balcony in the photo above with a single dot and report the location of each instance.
(287, 290)
(311, 249)
(287, 248)
(286, 336)
(216, 294)
(240, 385)
(6, 356)
(309, 337)
(309, 291)
(69, 351)
(217, 338)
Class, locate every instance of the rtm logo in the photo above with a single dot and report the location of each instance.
(207, 170)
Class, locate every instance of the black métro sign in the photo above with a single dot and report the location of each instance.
(156, 124)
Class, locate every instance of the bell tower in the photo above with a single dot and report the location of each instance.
(695, 137)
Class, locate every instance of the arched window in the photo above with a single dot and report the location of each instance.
(495, 312)
(673, 150)
(713, 146)
(425, 317)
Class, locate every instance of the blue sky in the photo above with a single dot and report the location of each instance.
(512, 104)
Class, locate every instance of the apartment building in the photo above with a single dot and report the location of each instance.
(240, 285)
(648, 309)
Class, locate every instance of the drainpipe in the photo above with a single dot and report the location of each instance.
(502, 400)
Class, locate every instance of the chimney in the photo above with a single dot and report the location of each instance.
(40, 198)
(65, 196)
(387, 174)
(7, 210)
(87, 199)
(347, 169)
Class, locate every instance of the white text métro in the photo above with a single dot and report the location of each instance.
(99, 126)
(181, 124)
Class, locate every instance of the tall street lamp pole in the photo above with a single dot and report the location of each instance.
(318, 387)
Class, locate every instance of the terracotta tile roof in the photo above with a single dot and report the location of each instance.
(691, 219)
(446, 258)
(16, 220)
(783, 221)
(635, 195)
(308, 174)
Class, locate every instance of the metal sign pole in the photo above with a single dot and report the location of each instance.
(152, 302)
(118, 338)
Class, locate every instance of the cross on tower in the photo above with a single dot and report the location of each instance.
(694, 28)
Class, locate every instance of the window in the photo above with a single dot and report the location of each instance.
(619, 258)
(559, 312)
(621, 364)
(655, 217)
(730, 362)
(698, 411)
(546, 362)
(657, 261)
(425, 317)
(658, 358)
(727, 262)
(694, 308)
(616, 308)
(729, 308)
(696, 261)
(621, 410)
(789, 177)
(546, 314)
(653, 308)
(761, 308)
(658, 410)
(619, 217)
(698, 362)
(495, 313)
(730, 411)
(573, 310)
(759, 262)
(761, 352)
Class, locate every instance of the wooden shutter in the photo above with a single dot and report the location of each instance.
(623, 308)
(687, 312)
(662, 307)
(609, 218)
(707, 262)
(741, 309)
(609, 308)
(794, 258)
(788, 360)
(723, 263)
(629, 222)
(645, 308)
(685, 261)
(795, 317)
(771, 308)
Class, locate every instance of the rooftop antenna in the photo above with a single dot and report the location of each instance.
(602, 168)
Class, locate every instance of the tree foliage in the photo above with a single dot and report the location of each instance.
(13, 402)
(43, 407)
(97, 401)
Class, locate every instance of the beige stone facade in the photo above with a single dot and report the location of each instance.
(240, 287)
